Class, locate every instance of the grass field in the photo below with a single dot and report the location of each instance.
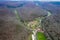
(41, 36)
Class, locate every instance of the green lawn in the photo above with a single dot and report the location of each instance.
(41, 36)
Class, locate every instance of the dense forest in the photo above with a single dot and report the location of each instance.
(19, 23)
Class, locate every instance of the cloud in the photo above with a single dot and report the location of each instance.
(29, 0)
